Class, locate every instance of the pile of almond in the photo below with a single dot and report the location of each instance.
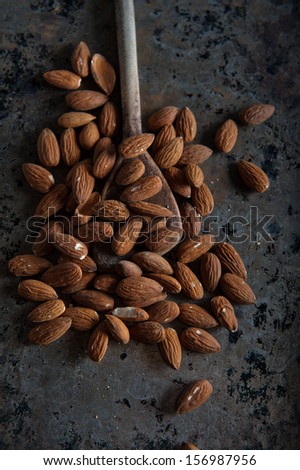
(132, 301)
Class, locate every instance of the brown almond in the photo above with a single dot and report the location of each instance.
(69, 177)
(253, 176)
(198, 340)
(48, 148)
(104, 163)
(151, 210)
(143, 302)
(107, 283)
(70, 246)
(83, 319)
(210, 270)
(169, 283)
(36, 291)
(103, 73)
(84, 283)
(191, 249)
(83, 183)
(168, 155)
(130, 172)
(224, 312)
(125, 239)
(38, 178)
(203, 200)
(98, 342)
(191, 286)
(85, 100)
(195, 153)
(75, 119)
(94, 299)
(117, 329)
(86, 264)
(136, 287)
(236, 289)
(135, 145)
(61, 275)
(130, 314)
(165, 135)
(163, 240)
(108, 120)
(63, 79)
(162, 117)
(152, 262)
(191, 220)
(178, 182)
(104, 143)
(193, 396)
(194, 315)
(127, 268)
(186, 125)
(226, 136)
(47, 311)
(95, 232)
(86, 209)
(53, 201)
(170, 348)
(80, 59)
(164, 311)
(149, 332)
(189, 446)
(89, 136)
(70, 151)
(50, 331)
(230, 260)
(42, 244)
(256, 114)
(28, 265)
(113, 210)
(194, 175)
(142, 189)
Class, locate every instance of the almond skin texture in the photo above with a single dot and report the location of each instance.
(83, 319)
(48, 148)
(149, 332)
(74, 119)
(135, 145)
(36, 291)
(130, 314)
(38, 178)
(80, 59)
(226, 136)
(98, 342)
(108, 120)
(230, 260)
(107, 283)
(178, 182)
(152, 262)
(85, 100)
(195, 153)
(194, 175)
(127, 268)
(193, 396)
(117, 329)
(47, 311)
(191, 220)
(203, 200)
(193, 315)
(149, 209)
(253, 176)
(28, 265)
(86, 264)
(169, 283)
(83, 283)
(125, 239)
(103, 144)
(256, 114)
(165, 135)
(53, 201)
(86, 209)
(135, 287)
(83, 183)
(168, 155)
(104, 163)
(236, 289)
(89, 136)
(163, 240)
(142, 189)
(130, 172)
(170, 348)
(94, 299)
(70, 246)
(198, 340)
(112, 210)
(62, 275)
(210, 270)
(162, 117)
(224, 312)
(192, 249)
(103, 73)
(50, 331)
(69, 149)
(186, 125)
(191, 286)
(163, 312)
(143, 302)
(63, 79)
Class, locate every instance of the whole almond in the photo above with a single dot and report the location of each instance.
(103, 73)
(162, 117)
(94, 299)
(113, 210)
(127, 268)
(108, 120)
(210, 270)
(85, 100)
(152, 263)
(130, 314)
(37, 177)
(191, 220)
(149, 332)
(164, 311)
(142, 189)
(61, 275)
(198, 340)
(69, 177)
(36, 291)
(163, 240)
(226, 136)
(98, 342)
(186, 125)
(195, 153)
(203, 200)
(193, 315)
(89, 136)
(74, 119)
(194, 175)
(253, 176)
(149, 209)
(48, 148)
(42, 244)
(125, 239)
(136, 287)
(191, 286)
(236, 289)
(104, 163)
(135, 145)
(130, 172)
(224, 312)
(230, 260)
(170, 348)
(50, 331)
(104, 143)
(193, 396)
(117, 329)
(86, 264)
(70, 246)
(86, 209)
(256, 114)
(80, 59)
(70, 151)
(178, 182)
(28, 265)
(83, 183)
(107, 283)
(168, 155)
(95, 232)
(63, 79)
(84, 283)
(53, 201)
(165, 135)
(191, 249)
(47, 311)
(143, 302)
(83, 319)
(169, 283)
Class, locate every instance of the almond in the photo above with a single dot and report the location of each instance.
(163, 240)
(125, 239)
(86, 209)
(95, 232)
(47, 311)
(80, 59)
(75, 119)
(256, 114)
(94, 299)
(149, 332)
(152, 262)
(162, 117)
(143, 302)
(193, 315)
(83, 319)
(186, 125)
(63, 79)
(191, 220)
(193, 396)
(42, 244)
(28, 265)
(48, 148)
(178, 182)
(168, 155)
(61, 275)
(142, 189)
(113, 210)
(103, 73)
(170, 348)
(165, 135)
(48, 332)
(150, 210)
(98, 342)
(226, 136)
(191, 286)
(117, 329)
(189, 446)
(86, 264)
(130, 314)
(203, 200)
(231, 261)
(69, 178)
(198, 340)
(210, 270)
(253, 176)
(38, 178)
(164, 311)
(135, 145)
(169, 283)
(127, 268)
(70, 246)
(83, 283)
(136, 287)
(195, 153)
(85, 100)
(130, 172)
(36, 291)
(104, 143)
(104, 163)
(107, 283)
(70, 151)
(193, 248)
(194, 175)
(224, 312)
(108, 120)
(237, 289)
(53, 201)
(89, 136)
(83, 183)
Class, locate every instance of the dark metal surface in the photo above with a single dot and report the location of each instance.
(214, 57)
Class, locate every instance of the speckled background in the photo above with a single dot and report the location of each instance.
(215, 57)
